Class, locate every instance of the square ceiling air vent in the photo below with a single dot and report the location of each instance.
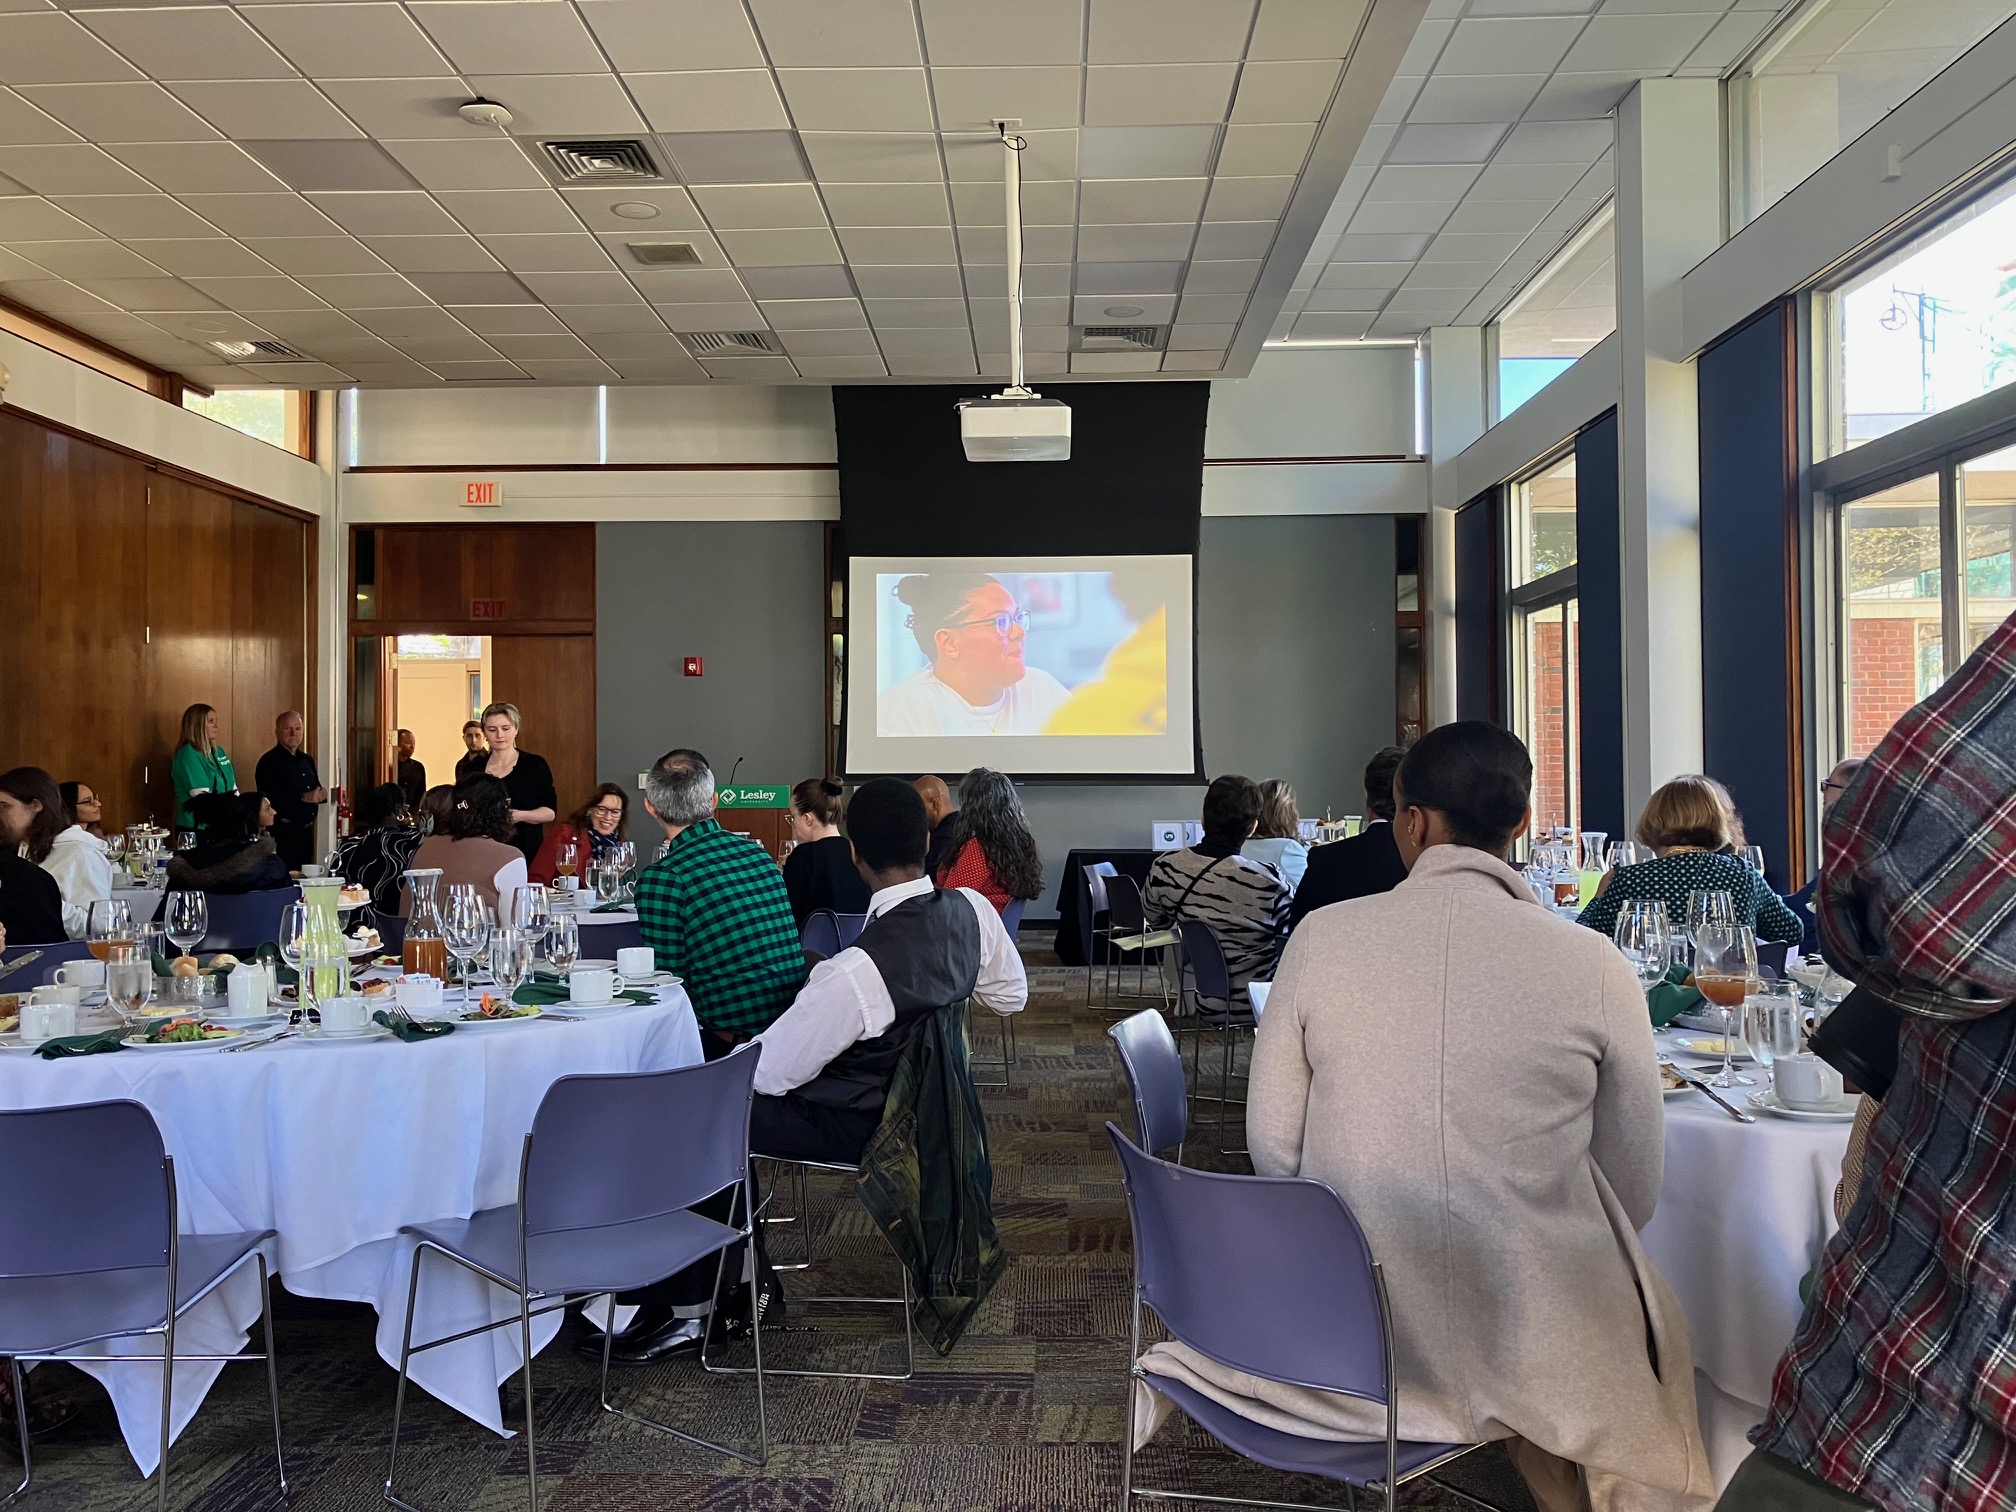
(258, 351)
(1122, 338)
(665, 254)
(627, 161)
(731, 343)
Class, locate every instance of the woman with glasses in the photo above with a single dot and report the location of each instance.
(594, 830)
(87, 810)
(972, 634)
(820, 871)
(34, 818)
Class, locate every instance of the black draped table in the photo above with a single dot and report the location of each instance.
(1074, 912)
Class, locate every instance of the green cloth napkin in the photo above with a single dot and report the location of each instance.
(413, 1031)
(538, 994)
(1667, 1000)
(81, 1044)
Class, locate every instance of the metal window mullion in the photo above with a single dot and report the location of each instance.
(1952, 572)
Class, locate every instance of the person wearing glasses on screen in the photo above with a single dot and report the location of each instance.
(972, 632)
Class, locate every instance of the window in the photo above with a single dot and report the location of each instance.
(279, 417)
(1546, 639)
(1932, 326)
(1568, 307)
(1409, 629)
(1828, 74)
(1987, 489)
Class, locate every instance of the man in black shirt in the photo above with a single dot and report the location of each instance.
(475, 753)
(287, 779)
(942, 817)
(412, 778)
(1367, 863)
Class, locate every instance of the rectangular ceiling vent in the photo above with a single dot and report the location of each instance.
(603, 162)
(731, 343)
(665, 254)
(1122, 338)
(258, 351)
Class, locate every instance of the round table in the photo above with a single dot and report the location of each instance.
(1744, 1212)
(336, 1147)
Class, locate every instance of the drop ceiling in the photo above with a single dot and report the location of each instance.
(297, 173)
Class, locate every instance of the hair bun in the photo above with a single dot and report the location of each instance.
(830, 788)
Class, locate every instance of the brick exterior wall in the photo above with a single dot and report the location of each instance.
(1548, 732)
(1882, 677)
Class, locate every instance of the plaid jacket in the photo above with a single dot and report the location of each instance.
(1900, 1385)
(713, 909)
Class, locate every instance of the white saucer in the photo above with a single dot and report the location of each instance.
(574, 1005)
(371, 1034)
(1767, 1102)
(247, 1020)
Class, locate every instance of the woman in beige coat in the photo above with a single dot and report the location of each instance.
(1476, 1079)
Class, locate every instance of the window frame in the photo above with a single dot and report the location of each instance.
(1519, 603)
(1603, 214)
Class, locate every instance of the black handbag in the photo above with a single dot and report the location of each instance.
(1859, 1039)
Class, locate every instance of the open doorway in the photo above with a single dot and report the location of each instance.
(438, 683)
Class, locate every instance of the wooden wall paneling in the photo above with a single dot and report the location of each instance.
(543, 572)
(189, 598)
(428, 574)
(551, 678)
(269, 627)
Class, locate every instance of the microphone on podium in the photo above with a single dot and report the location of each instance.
(733, 770)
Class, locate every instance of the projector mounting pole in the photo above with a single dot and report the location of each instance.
(1011, 176)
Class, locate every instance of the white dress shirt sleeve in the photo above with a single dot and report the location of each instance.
(1002, 985)
(844, 1000)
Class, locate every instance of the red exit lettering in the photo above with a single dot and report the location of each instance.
(486, 609)
(481, 493)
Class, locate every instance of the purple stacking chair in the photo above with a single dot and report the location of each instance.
(602, 941)
(594, 1216)
(42, 970)
(1275, 1237)
(1004, 1024)
(1208, 1006)
(1129, 935)
(90, 1252)
(243, 922)
(1154, 1068)
(828, 933)
(1092, 934)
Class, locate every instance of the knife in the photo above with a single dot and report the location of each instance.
(1713, 1096)
(19, 961)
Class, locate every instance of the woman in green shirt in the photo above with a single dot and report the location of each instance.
(201, 764)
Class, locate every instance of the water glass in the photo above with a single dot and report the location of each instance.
(129, 979)
(1643, 934)
(563, 943)
(1771, 1020)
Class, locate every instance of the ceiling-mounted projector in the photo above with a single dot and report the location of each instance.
(1016, 426)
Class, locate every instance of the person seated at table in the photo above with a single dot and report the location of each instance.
(86, 810)
(31, 904)
(992, 851)
(1502, 1178)
(1690, 826)
(34, 819)
(234, 851)
(433, 810)
(381, 850)
(944, 819)
(472, 845)
(594, 830)
(1366, 863)
(824, 1081)
(1277, 836)
(1801, 902)
(820, 871)
(1245, 903)
(714, 910)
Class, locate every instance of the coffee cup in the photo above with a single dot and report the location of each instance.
(635, 961)
(245, 989)
(311, 871)
(345, 1015)
(567, 884)
(81, 974)
(45, 1019)
(1806, 1083)
(61, 992)
(595, 985)
(418, 993)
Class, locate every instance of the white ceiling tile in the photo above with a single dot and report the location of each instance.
(399, 374)
(1581, 96)
(551, 252)
(858, 99)
(620, 245)
(1472, 247)
(510, 36)
(252, 108)
(472, 288)
(643, 36)
(1334, 327)
(1643, 44)
(129, 215)
(969, 99)
(1383, 247)
(676, 211)
(1451, 100)
(203, 257)
(582, 288)
(325, 164)
(1508, 45)
(982, 204)
(670, 369)
(413, 324)
(1192, 362)
(1399, 95)
(838, 33)
(1221, 277)
(899, 341)
(1338, 301)
(51, 48)
(120, 328)
(349, 41)
(1420, 181)
(94, 258)
(1146, 152)
(56, 296)
(568, 371)
(814, 314)
(820, 281)
(1445, 144)
(1437, 305)
(1364, 273)
(750, 369)
(780, 249)
(1031, 31)
(1525, 181)
(1377, 216)
(891, 204)
(747, 207)
(743, 99)
(1093, 309)
(433, 254)
(1135, 243)
(409, 213)
(1246, 199)
(21, 124)
(990, 316)
(438, 351)
(1399, 324)
(1305, 29)
(199, 167)
(908, 244)
(841, 367)
(397, 110)
(550, 345)
(607, 320)
(561, 104)
(1040, 244)
(1118, 202)
(1049, 155)
(491, 163)
(949, 366)
(847, 157)
(261, 214)
(1129, 278)
(76, 168)
(736, 157)
(1260, 150)
(718, 316)
(189, 42)
(830, 343)
(1116, 362)
(1533, 7)
(917, 313)
(1727, 42)
(133, 112)
(686, 285)
(1500, 215)
(382, 301)
(143, 294)
(1161, 94)
(1285, 91)
(1168, 31)
(258, 295)
(491, 212)
(908, 282)
(316, 254)
(1201, 338)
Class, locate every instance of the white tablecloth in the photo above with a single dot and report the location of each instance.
(1744, 1211)
(336, 1147)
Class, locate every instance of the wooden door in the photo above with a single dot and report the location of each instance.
(551, 678)
(189, 604)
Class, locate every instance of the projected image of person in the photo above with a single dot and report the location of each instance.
(972, 633)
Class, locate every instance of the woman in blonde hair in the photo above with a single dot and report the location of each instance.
(201, 763)
(527, 779)
(1277, 840)
(1690, 825)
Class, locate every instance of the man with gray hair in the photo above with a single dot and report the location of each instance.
(287, 779)
(714, 910)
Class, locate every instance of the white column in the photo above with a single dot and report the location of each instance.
(1669, 217)
(1456, 416)
(330, 719)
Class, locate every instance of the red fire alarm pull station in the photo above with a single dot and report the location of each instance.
(693, 666)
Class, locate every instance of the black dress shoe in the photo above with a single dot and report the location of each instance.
(673, 1337)
(649, 1320)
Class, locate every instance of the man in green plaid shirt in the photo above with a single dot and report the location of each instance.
(713, 909)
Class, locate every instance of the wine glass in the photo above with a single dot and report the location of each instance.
(1705, 905)
(465, 928)
(1725, 964)
(1642, 934)
(624, 854)
(529, 909)
(510, 958)
(563, 944)
(107, 922)
(1753, 857)
(1623, 853)
(185, 840)
(187, 915)
(115, 849)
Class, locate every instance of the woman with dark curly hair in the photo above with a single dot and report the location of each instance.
(472, 844)
(992, 851)
(377, 855)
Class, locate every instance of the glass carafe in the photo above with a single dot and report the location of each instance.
(426, 949)
(325, 954)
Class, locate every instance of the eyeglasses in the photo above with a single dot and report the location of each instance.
(1002, 623)
(603, 808)
(87, 800)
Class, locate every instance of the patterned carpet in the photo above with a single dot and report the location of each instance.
(1024, 1417)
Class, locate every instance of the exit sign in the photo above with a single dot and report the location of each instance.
(486, 609)
(482, 493)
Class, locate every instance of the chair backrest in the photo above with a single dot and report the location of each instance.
(1206, 959)
(1095, 888)
(821, 938)
(43, 972)
(604, 940)
(84, 1188)
(1154, 1069)
(1011, 916)
(392, 931)
(1123, 902)
(1267, 1274)
(614, 1149)
(245, 921)
(851, 926)
(1771, 957)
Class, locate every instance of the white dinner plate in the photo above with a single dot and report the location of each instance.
(1767, 1102)
(1702, 1021)
(271, 1020)
(479, 1022)
(1709, 1047)
(218, 1042)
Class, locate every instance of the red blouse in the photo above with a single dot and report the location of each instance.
(969, 867)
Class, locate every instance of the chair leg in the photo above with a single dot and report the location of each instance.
(272, 1372)
(20, 1381)
(167, 1387)
(525, 1341)
(405, 1363)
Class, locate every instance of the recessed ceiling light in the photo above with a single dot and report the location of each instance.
(1124, 312)
(636, 210)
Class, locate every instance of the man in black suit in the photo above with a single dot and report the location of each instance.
(1369, 862)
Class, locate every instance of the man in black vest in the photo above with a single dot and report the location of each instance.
(829, 1058)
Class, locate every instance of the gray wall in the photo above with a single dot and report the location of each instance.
(742, 595)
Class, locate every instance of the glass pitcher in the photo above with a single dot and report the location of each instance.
(325, 954)
(425, 952)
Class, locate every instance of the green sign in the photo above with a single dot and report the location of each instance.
(765, 797)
